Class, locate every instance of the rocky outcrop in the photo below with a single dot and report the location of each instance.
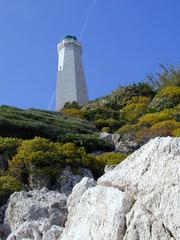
(36, 214)
(139, 199)
(123, 144)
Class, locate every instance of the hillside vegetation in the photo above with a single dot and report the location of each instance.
(27, 124)
(44, 142)
(139, 111)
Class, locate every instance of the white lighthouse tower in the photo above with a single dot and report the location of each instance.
(71, 83)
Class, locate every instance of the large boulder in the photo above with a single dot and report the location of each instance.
(139, 199)
(100, 214)
(34, 206)
(152, 177)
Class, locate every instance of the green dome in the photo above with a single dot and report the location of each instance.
(70, 37)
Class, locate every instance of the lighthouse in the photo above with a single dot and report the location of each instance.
(71, 83)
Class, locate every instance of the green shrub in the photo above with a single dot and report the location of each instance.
(8, 148)
(91, 142)
(161, 129)
(106, 129)
(43, 155)
(168, 97)
(165, 128)
(70, 105)
(100, 113)
(176, 113)
(8, 185)
(176, 132)
(119, 98)
(128, 129)
(151, 118)
(27, 124)
(72, 112)
(110, 158)
(133, 111)
(112, 123)
(135, 108)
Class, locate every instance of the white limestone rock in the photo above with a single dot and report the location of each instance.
(141, 171)
(35, 205)
(53, 233)
(38, 230)
(78, 191)
(100, 214)
(142, 224)
(28, 230)
(151, 176)
(109, 168)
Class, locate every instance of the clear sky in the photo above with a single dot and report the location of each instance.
(123, 41)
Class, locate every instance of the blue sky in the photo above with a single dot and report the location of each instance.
(124, 40)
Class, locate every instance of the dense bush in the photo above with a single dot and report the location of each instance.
(90, 141)
(119, 98)
(135, 108)
(176, 132)
(27, 124)
(113, 124)
(106, 129)
(168, 97)
(128, 129)
(8, 185)
(49, 158)
(70, 105)
(8, 148)
(43, 153)
(151, 118)
(161, 129)
(100, 113)
(110, 158)
(165, 128)
(72, 112)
